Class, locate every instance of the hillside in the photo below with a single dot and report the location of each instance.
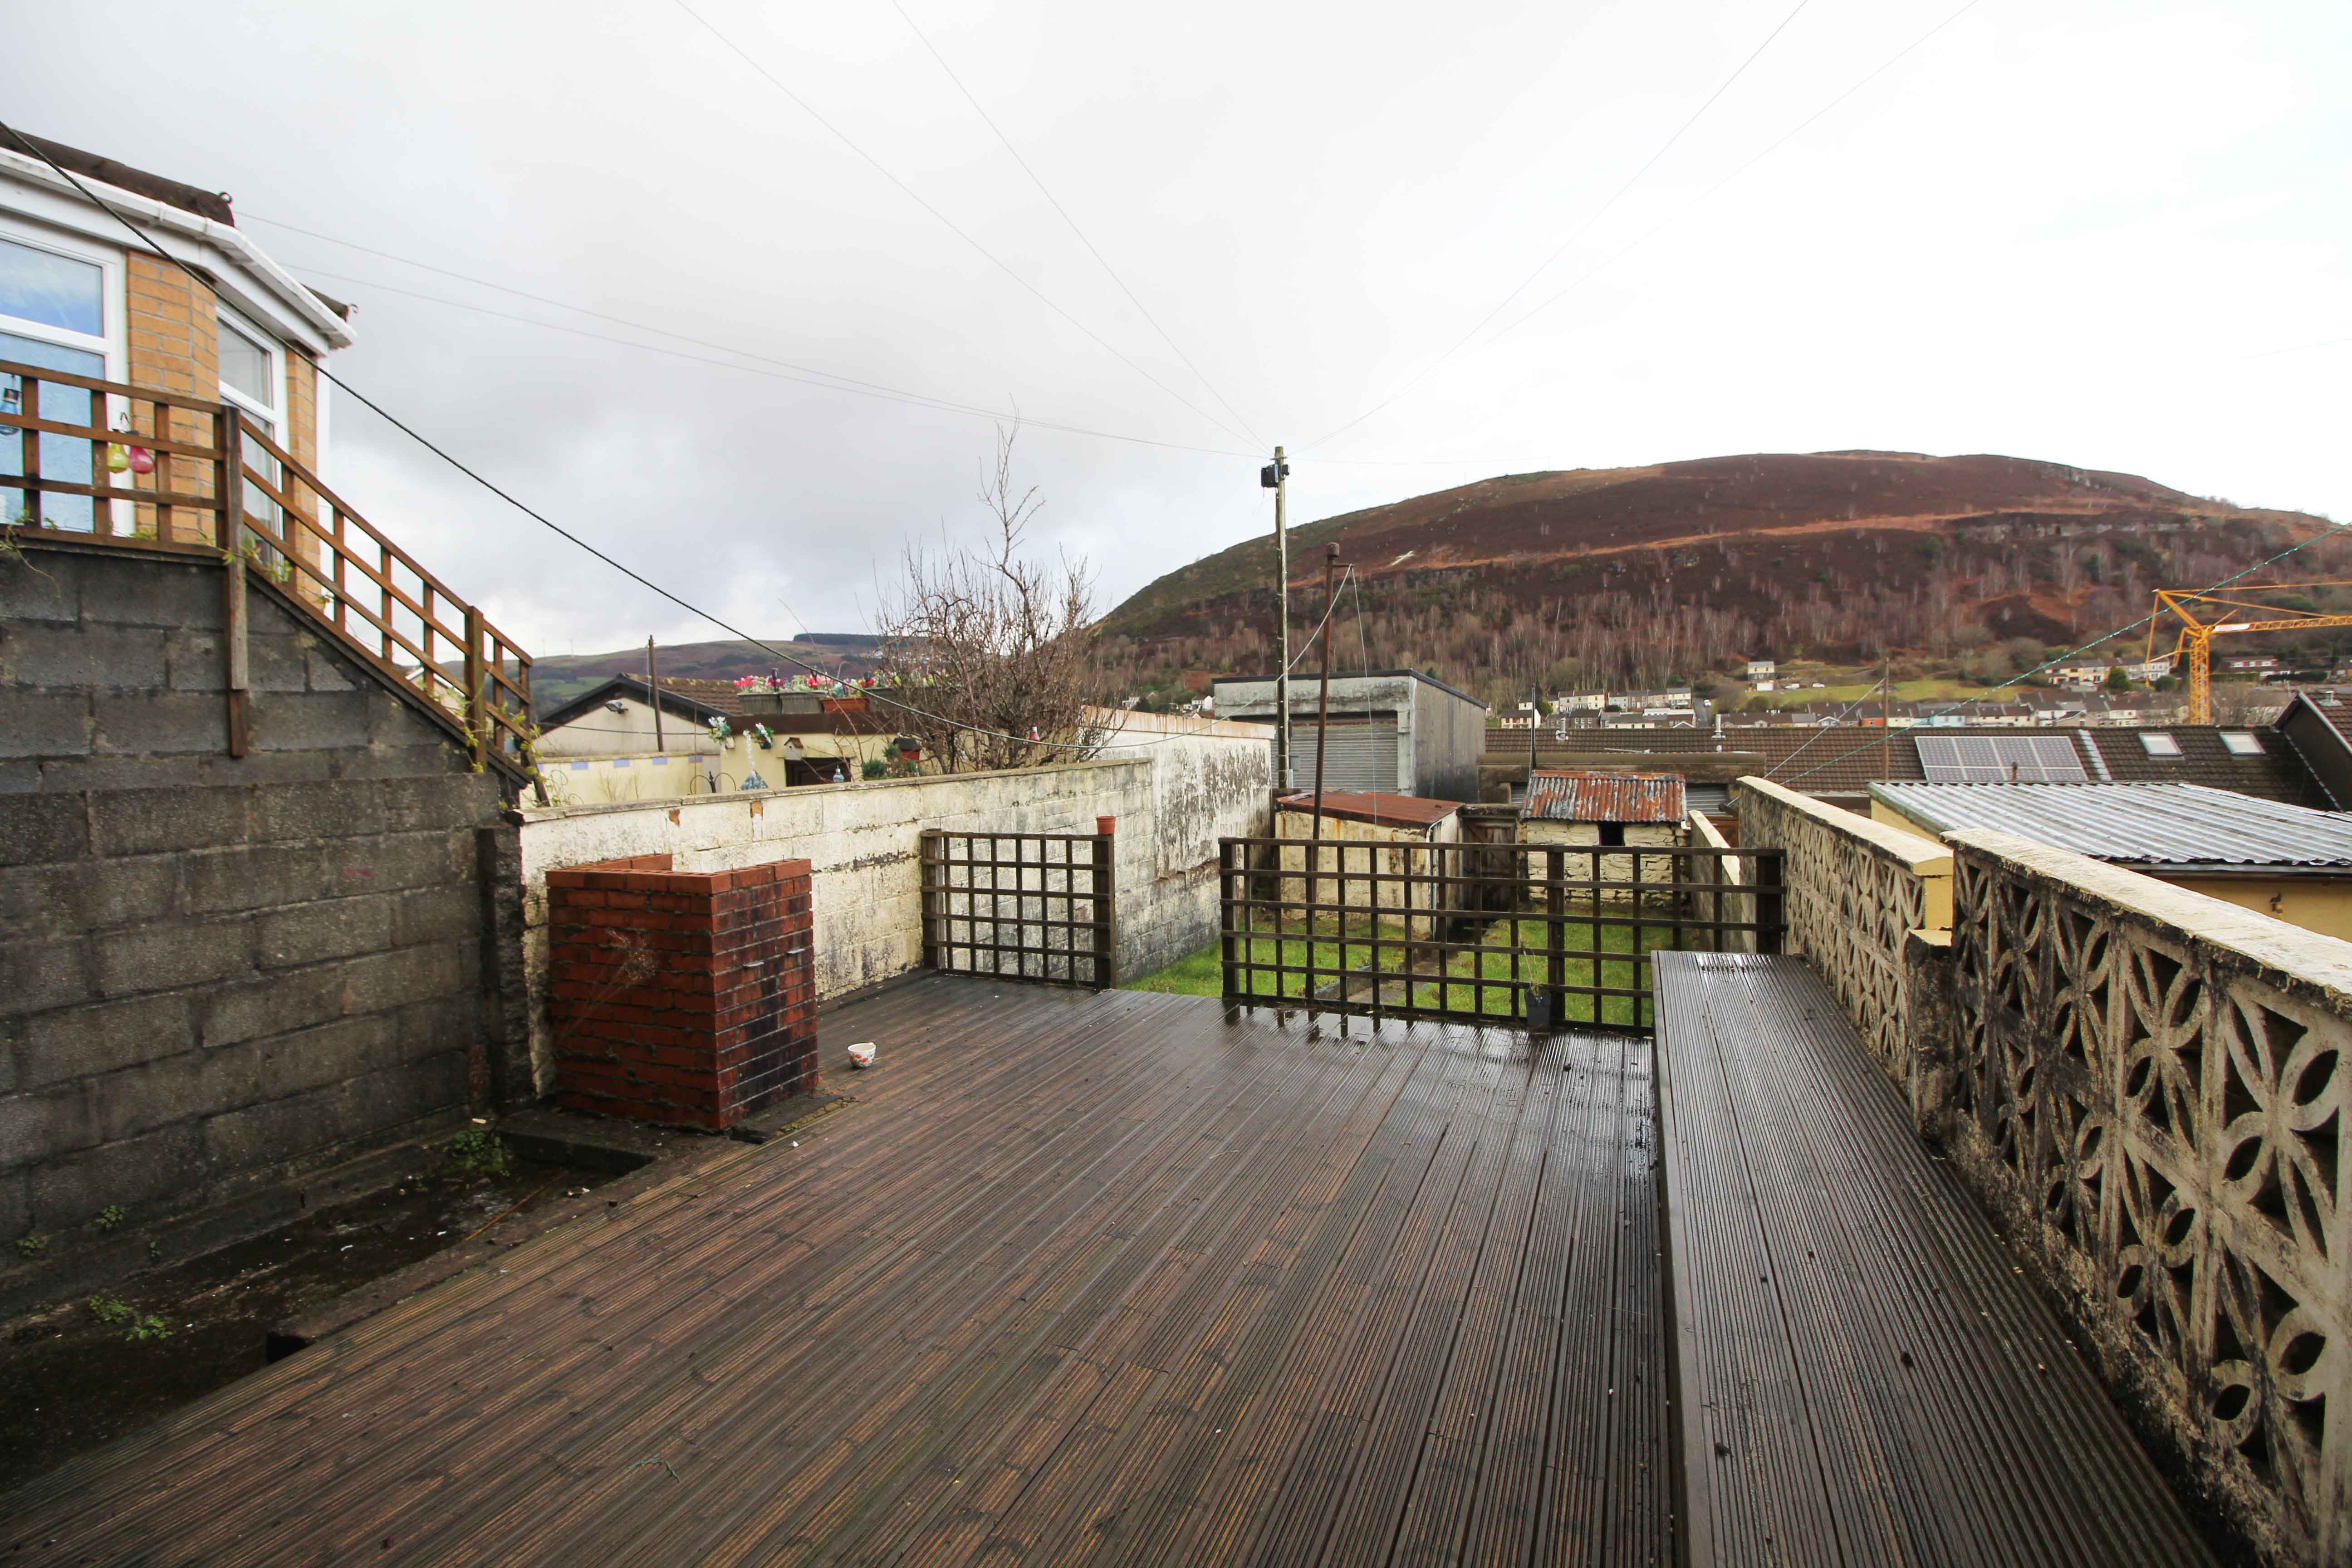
(1634, 576)
(558, 678)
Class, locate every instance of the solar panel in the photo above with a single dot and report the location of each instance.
(2000, 759)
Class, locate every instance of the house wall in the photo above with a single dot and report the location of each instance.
(2310, 902)
(1185, 785)
(218, 973)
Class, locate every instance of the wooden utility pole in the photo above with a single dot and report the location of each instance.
(653, 694)
(1886, 715)
(1323, 702)
(1276, 477)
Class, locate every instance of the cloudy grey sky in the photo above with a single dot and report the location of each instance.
(2112, 233)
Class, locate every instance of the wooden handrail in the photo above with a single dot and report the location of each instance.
(494, 689)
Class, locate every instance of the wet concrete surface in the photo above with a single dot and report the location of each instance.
(72, 1380)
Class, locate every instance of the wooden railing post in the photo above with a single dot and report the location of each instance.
(478, 697)
(1106, 911)
(230, 493)
(29, 400)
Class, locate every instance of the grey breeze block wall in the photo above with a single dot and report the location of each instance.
(216, 973)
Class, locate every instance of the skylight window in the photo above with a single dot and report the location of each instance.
(2158, 743)
(2241, 742)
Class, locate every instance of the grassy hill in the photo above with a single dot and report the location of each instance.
(1634, 576)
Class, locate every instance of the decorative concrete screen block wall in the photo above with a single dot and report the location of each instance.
(2156, 1093)
(1176, 787)
(219, 972)
(1854, 891)
(681, 996)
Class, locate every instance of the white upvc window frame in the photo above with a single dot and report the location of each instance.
(225, 320)
(111, 344)
(272, 415)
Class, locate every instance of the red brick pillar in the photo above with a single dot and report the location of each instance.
(681, 996)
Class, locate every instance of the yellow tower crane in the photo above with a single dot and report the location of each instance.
(2200, 625)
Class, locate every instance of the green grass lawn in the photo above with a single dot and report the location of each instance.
(1458, 992)
(1202, 974)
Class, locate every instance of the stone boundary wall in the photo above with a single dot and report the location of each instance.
(1186, 785)
(219, 973)
(1854, 890)
(2155, 1096)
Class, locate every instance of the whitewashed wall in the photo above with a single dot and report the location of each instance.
(1176, 787)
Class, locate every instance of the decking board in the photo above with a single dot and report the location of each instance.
(1865, 1377)
(1077, 1278)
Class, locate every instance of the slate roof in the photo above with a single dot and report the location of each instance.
(1844, 759)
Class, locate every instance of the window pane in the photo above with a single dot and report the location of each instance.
(54, 290)
(62, 456)
(245, 365)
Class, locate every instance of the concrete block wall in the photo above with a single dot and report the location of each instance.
(1175, 786)
(217, 972)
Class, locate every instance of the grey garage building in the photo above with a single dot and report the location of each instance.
(1396, 731)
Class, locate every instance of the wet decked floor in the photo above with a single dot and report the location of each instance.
(1078, 1277)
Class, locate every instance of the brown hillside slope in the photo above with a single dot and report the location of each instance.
(1658, 573)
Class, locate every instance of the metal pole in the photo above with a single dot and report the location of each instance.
(1281, 471)
(653, 694)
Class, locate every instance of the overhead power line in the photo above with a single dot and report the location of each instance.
(986, 254)
(834, 380)
(1889, 63)
(1223, 401)
(804, 375)
(540, 517)
(1581, 229)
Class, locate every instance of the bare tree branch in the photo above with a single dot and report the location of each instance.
(994, 647)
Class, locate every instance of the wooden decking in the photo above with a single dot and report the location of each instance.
(1866, 1378)
(1108, 1277)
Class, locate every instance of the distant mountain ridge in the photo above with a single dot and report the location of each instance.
(1631, 575)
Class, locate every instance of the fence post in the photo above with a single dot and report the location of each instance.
(926, 861)
(1106, 911)
(1225, 920)
(229, 492)
(1769, 916)
(477, 700)
(1556, 938)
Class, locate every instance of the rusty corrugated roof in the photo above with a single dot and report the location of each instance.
(1606, 797)
(1383, 809)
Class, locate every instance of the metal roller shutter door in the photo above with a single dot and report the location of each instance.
(1362, 756)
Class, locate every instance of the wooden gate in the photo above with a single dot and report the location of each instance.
(1040, 906)
(1537, 934)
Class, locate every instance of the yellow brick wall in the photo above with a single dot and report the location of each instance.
(174, 339)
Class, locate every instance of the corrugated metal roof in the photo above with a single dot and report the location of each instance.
(1385, 809)
(2135, 824)
(1606, 797)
